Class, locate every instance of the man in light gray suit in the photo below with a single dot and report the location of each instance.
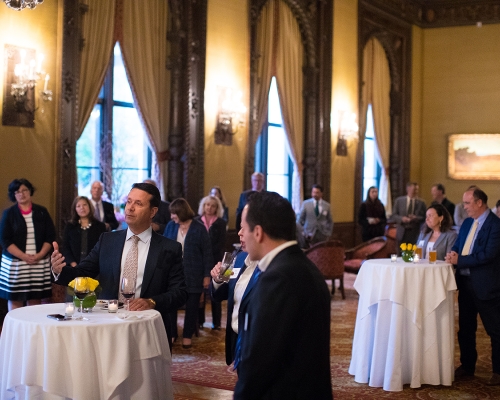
(315, 222)
(409, 213)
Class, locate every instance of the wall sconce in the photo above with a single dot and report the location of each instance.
(348, 129)
(23, 73)
(230, 114)
(18, 5)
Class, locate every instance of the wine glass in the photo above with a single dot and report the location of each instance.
(127, 288)
(81, 290)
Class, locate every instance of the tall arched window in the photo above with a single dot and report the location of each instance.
(272, 149)
(114, 147)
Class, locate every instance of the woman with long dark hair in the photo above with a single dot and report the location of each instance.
(371, 216)
(82, 232)
(437, 234)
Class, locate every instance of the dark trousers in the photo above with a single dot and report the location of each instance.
(190, 318)
(489, 311)
(216, 311)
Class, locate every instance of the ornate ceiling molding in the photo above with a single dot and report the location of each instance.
(440, 13)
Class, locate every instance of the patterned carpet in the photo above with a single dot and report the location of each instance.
(204, 363)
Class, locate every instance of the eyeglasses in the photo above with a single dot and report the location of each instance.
(21, 191)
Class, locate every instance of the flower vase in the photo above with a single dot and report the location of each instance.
(407, 256)
(89, 302)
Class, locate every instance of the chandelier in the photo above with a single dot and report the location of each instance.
(19, 5)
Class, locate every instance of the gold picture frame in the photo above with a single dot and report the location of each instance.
(474, 156)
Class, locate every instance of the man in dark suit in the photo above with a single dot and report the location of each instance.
(258, 185)
(439, 197)
(476, 255)
(283, 348)
(160, 276)
(162, 217)
(409, 213)
(104, 211)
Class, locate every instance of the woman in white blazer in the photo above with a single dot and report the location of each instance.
(438, 233)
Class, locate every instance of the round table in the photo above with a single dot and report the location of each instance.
(404, 330)
(105, 357)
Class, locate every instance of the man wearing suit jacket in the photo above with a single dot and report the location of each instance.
(476, 255)
(233, 291)
(258, 185)
(283, 348)
(408, 212)
(104, 211)
(160, 276)
(315, 218)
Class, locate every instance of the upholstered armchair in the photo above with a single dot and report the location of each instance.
(329, 258)
(362, 252)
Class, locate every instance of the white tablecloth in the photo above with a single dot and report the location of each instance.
(103, 358)
(405, 324)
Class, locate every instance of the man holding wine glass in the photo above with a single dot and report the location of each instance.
(138, 254)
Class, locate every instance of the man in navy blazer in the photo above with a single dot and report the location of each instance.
(476, 256)
(283, 349)
(160, 274)
(234, 291)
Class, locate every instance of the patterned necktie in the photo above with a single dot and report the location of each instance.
(237, 349)
(468, 241)
(97, 213)
(131, 262)
(316, 209)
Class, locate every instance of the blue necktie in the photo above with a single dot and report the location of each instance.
(237, 351)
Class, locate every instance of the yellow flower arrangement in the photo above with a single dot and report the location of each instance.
(408, 247)
(92, 284)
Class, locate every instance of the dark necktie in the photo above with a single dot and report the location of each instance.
(316, 209)
(410, 207)
(97, 213)
(237, 349)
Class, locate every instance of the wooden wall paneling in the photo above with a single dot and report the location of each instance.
(66, 151)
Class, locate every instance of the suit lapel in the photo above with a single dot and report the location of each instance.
(115, 256)
(151, 261)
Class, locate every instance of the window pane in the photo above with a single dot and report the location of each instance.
(278, 184)
(87, 153)
(274, 104)
(121, 86)
(371, 168)
(277, 159)
(130, 151)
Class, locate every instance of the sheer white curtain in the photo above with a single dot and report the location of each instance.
(376, 91)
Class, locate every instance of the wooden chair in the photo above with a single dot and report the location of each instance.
(329, 258)
(362, 252)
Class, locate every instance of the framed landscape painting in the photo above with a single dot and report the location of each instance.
(474, 156)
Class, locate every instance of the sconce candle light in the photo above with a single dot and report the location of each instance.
(229, 115)
(23, 75)
(348, 129)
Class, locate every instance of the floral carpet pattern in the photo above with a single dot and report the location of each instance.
(204, 364)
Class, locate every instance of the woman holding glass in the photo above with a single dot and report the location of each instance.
(26, 234)
(210, 215)
(438, 234)
(82, 231)
(197, 262)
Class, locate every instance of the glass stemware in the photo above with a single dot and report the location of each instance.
(81, 290)
(127, 288)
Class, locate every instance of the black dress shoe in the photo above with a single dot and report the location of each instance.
(494, 380)
(187, 346)
(461, 372)
(216, 328)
